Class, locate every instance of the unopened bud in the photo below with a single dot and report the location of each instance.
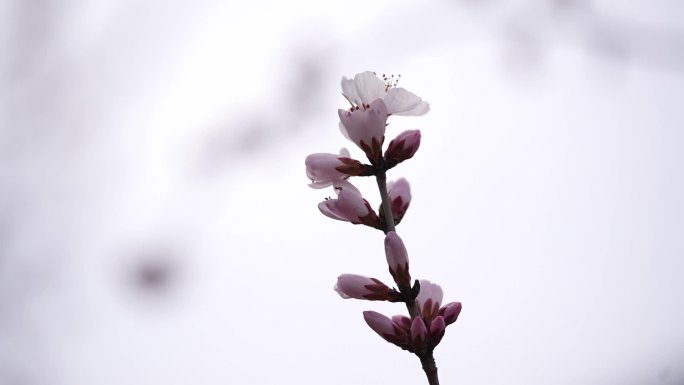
(397, 260)
(450, 312)
(437, 327)
(403, 147)
(361, 287)
(419, 333)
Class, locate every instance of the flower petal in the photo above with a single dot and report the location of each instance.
(399, 101)
(349, 91)
(369, 87)
(340, 185)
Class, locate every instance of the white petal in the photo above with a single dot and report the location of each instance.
(345, 185)
(329, 209)
(402, 102)
(344, 152)
(420, 109)
(343, 130)
(349, 91)
(320, 184)
(369, 87)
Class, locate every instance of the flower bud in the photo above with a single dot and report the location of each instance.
(399, 194)
(387, 329)
(361, 287)
(397, 260)
(403, 147)
(450, 312)
(418, 333)
(437, 327)
(402, 321)
(365, 126)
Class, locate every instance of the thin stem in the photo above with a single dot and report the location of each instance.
(412, 309)
(381, 178)
(428, 361)
(426, 358)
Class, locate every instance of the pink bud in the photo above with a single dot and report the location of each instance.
(399, 193)
(349, 206)
(429, 298)
(360, 287)
(387, 329)
(437, 327)
(450, 312)
(365, 126)
(418, 333)
(324, 169)
(397, 260)
(403, 322)
(403, 147)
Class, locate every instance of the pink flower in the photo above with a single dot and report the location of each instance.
(366, 87)
(387, 329)
(429, 299)
(349, 206)
(324, 169)
(403, 147)
(400, 197)
(366, 127)
(360, 287)
(397, 260)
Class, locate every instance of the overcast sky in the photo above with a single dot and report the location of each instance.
(156, 226)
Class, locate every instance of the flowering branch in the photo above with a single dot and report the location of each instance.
(372, 101)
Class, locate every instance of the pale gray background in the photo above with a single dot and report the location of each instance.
(156, 226)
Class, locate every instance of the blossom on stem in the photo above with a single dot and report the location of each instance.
(366, 87)
(366, 127)
(397, 260)
(349, 206)
(324, 169)
(361, 287)
(429, 299)
(399, 194)
(436, 319)
(403, 147)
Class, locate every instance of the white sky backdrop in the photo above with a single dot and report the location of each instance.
(167, 141)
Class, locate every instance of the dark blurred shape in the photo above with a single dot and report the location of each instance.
(298, 97)
(153, 273)
(532, 28)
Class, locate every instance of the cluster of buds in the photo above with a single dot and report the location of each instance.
(372, 101)
(422, 333)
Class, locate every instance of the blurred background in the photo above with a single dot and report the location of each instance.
(156, 226)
